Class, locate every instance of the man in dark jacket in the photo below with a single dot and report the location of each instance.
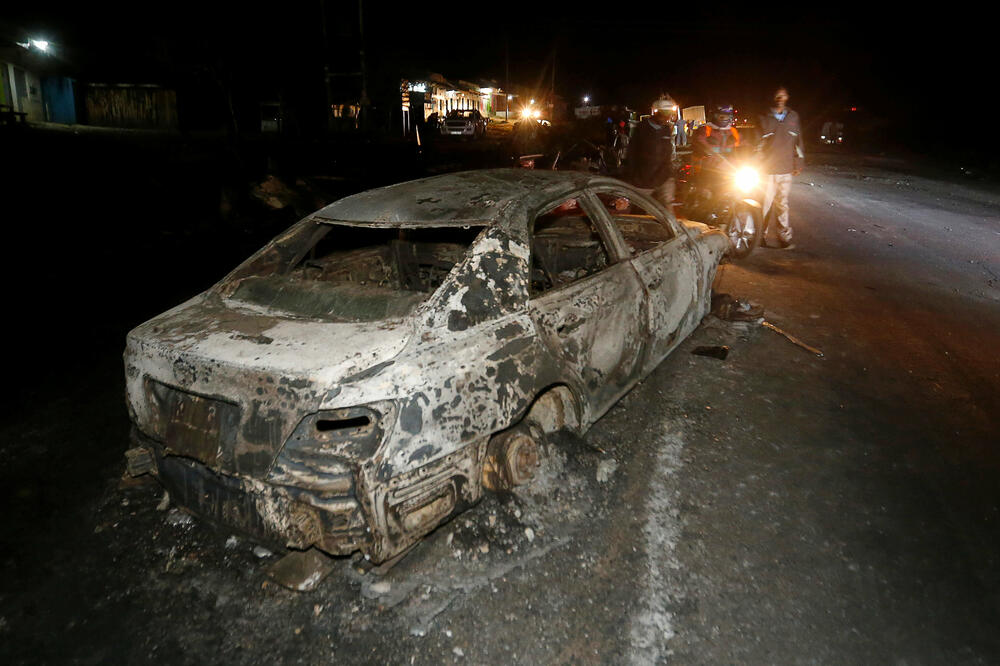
(650, 160)
(783, 155)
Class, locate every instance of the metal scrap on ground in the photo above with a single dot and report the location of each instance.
(791, 338)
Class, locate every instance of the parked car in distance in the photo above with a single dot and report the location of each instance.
(365, 375)
(464, 122)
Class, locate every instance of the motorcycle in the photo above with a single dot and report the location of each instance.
(728, 198)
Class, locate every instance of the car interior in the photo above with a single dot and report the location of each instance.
(362, 274)
(565, 247)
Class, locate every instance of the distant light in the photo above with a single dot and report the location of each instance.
(854, 108)
(586, 99)
(40, 44)
(536, 113)
(532, 100)
(510, 97)
(418, 87)
(822, 136)
(486, 91)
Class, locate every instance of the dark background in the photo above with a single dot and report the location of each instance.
(913, 72)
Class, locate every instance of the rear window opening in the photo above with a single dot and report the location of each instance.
(348, 273)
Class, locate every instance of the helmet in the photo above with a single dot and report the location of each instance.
(724, 114)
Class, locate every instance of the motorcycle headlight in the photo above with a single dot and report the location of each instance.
(746, 179)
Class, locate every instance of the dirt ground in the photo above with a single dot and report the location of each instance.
(772, 507)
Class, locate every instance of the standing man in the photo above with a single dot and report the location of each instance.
(781, 148)
(650, 159)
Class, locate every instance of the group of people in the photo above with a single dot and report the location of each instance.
(650, 160)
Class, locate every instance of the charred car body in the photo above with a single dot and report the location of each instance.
(362, 377)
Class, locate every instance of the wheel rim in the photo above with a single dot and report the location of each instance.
(521, 459)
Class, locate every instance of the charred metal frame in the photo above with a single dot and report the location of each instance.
(348, 436)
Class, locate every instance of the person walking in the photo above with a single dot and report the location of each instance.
(649, 164)
(783, 157)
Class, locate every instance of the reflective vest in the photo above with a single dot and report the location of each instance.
(732, 130)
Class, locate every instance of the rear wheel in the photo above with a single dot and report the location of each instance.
(513, 457)
(744, 230)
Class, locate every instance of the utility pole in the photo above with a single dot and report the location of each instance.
(365, 102)
(326, 67)
(506, 89)
(552, 85)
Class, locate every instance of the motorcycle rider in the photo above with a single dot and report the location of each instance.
(716, 138)
(649, 162)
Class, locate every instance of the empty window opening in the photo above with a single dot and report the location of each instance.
(351, 273)
(565, 247)
(640, 229)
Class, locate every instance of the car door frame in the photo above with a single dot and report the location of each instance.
(626, 372)
(661, 342)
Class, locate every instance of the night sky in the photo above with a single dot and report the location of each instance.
(896, 65)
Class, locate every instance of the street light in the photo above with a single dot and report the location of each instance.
(42, 45)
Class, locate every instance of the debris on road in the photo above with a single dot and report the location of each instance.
(376, 589)
(791, 338)
(605, 469)
(727, 308)
(713, 351)
(179, 518)
(301, 570)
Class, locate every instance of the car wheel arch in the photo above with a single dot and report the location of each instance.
(555, 407)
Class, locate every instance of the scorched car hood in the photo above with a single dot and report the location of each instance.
(262, 371)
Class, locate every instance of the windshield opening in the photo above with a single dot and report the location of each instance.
(347, 273)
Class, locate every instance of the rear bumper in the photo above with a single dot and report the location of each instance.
(278, 515)
(381, 518)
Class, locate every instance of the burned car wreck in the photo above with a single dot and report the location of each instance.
(365, 375)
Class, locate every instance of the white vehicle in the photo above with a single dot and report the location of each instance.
(464, 122)
(365, 375)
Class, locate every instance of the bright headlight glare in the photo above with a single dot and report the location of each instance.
(746, 178)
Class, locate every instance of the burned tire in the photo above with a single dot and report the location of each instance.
(512, 457)
(744, 230)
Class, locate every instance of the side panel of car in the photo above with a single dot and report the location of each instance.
(597, 328)
(669, 272)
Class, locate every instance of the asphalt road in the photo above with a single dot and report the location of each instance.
(772, 507)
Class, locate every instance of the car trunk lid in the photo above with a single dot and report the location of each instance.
(226, 384)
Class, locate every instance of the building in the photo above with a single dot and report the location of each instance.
(32, 85)
(422, 96)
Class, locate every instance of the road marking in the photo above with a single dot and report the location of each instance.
(652, 624)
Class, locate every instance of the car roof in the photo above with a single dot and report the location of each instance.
(466, 198)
